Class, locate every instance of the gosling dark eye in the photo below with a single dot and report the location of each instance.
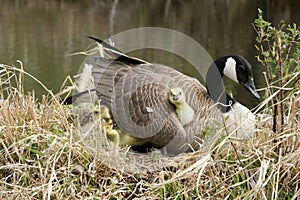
(96, 112)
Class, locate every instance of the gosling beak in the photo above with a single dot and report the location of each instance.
(250, 86)
(175, 97)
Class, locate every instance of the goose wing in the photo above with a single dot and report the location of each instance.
(137, 97)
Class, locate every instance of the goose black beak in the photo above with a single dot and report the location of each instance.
(250, 86)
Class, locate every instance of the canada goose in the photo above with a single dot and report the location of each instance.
(184, 112)
(136, 92)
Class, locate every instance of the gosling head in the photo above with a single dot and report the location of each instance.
(106, 118)
(176, 96)
(105, 112)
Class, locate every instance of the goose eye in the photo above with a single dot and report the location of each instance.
(241, 68)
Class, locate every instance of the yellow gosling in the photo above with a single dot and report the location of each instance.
(113, 137)
(116, 136)
(184, 112)
(128, 140)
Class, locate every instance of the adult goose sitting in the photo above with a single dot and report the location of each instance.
(137, 93)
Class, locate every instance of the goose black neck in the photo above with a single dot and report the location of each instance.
(220, 64)
(215, 86)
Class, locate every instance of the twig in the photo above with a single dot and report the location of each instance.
(280, 84)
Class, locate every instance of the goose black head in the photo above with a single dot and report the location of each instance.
(239, 70)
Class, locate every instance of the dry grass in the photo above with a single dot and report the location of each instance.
(43, 157)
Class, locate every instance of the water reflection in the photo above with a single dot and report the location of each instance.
(43, 33)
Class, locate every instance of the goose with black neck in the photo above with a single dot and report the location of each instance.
(137, 91)
(239, 120)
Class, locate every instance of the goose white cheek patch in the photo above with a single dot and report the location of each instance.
(230, 69)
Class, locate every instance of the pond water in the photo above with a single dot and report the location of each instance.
(42, 34)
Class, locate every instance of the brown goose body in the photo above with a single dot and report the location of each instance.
(137, 93)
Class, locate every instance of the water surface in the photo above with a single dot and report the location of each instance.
(43, 33)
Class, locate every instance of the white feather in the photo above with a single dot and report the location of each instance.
(240, 122)
(85, 80)
(230, 69)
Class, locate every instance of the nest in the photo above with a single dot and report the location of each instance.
(43, 156)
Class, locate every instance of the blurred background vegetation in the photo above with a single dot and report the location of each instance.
(43, 33)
